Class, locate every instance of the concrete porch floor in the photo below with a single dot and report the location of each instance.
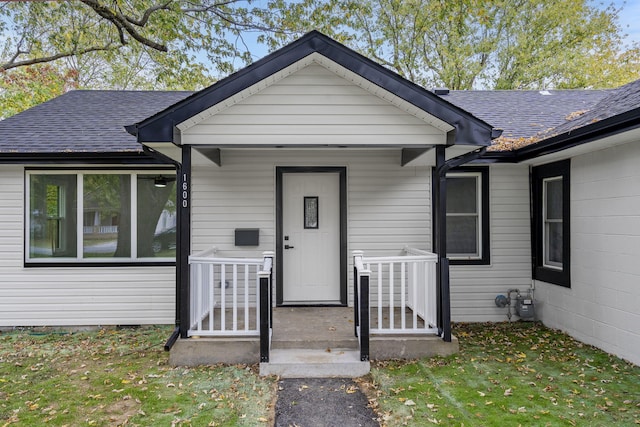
(324, 331)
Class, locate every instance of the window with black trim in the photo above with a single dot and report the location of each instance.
(468, 216)
(100, 216)
(550, 239)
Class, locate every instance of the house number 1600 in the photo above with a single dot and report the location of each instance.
(185, 194)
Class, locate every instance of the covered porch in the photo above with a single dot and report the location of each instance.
(233, 318)
(319, 152)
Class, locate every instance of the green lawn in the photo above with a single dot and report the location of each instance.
(509, 375)
(505, 375)
(121, 377)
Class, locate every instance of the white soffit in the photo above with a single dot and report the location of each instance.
(428, 158)
(169, 150)
(316, 58)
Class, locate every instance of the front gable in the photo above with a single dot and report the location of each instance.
(350, 74)
(309, 104)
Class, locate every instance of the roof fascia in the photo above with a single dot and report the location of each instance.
(496, 157)
(469, 130)
(610, 126)
(607, 127)
(76, 158)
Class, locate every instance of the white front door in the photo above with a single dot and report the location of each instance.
(311, 238)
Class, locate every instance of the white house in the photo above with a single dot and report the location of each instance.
(302, 158)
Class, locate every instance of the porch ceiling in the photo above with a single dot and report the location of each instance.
(421, 156)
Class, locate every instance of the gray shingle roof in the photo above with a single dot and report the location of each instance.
(524, 114)
(93, 121)
(618, 101)
(83, 121)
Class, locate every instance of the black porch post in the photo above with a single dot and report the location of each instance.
(439, 177)
(183, 198)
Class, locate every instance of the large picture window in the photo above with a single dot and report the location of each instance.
(468, 216)
(551, 223)
(100, 216)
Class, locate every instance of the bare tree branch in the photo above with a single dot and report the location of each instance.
(122, 23)
(201, 9)
(147, 14)
(14, 64)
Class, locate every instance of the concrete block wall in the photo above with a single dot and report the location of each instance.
(602, 307)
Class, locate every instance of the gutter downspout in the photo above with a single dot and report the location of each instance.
(176, 332)
(440, 232)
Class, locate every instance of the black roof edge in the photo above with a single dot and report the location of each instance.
(469, 129)
(607, 127)
(132, 129)
(497, 157)
(81, 157)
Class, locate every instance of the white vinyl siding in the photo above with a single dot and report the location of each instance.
(55, 296)
(388, 206)
(313, 106)
(601, 308)
(474, 287)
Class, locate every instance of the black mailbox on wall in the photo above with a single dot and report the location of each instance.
(247, 236)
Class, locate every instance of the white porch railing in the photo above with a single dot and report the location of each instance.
(403, 292)
(225, 294)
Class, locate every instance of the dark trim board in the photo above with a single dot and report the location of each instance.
(80, 264)
(83, 264)
(104, 158)
(82, 168)
(342, 171)
(485, 230)
(485, 224)
(183, 196)
(561, 276)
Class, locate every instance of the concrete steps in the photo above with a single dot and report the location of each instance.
(309, 341)
(314, 363)
(314, 343)
(317, 342)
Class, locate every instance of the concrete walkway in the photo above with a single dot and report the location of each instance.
(320, 402)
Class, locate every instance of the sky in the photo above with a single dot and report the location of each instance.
(629, 20)
(629, 16)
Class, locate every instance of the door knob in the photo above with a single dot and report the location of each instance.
(288, 247)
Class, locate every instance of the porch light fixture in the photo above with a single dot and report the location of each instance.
(160, 182)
